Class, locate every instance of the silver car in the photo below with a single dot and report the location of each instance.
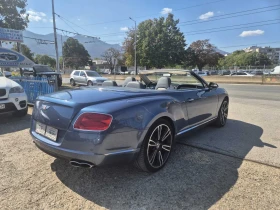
(86, 77)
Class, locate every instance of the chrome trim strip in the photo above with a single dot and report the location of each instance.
(188, 129)
(122, 151)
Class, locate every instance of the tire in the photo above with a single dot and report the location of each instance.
(72, 82)
(89, 83)
(223, 114)
(156, 150)
(59, 83)
(21, 113)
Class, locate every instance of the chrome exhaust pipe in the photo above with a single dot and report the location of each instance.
(81, 164)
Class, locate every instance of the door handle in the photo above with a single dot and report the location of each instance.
(190, 100)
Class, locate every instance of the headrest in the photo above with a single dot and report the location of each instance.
(135, 85)
(163, 83)
(109, 83)
(127, 80)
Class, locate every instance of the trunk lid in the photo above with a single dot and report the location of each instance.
(58, 109)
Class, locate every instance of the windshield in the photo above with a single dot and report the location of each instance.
(92, 74)
(1, 74)
(177, 77)
(43, 69)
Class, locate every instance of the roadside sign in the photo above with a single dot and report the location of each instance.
(10, 58)
(11, 35)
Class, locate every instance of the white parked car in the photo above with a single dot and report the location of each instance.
(243, 74)
(276, 70)
(12, 97)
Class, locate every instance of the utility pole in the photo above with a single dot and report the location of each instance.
(62, 54)
(55, 38)
(135, 41)
(19, 50)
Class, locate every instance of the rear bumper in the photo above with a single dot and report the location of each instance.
(116, 157)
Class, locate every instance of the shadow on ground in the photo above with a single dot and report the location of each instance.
(192, 179)
(237, 138)
(10, 123)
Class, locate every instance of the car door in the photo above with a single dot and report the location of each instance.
(201, 103)
(83, 78)
(75, 76)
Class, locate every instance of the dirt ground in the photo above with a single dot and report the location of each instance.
(212, 168)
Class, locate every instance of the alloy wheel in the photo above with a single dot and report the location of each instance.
(159, 145)
(224, 112)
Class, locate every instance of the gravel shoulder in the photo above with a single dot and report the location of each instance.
(193, 178)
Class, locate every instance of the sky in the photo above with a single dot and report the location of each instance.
(227, 23)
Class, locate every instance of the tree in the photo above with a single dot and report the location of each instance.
(128, 46)
(201, 53)
(25, 51)
(45, 60)
(13, 14)
(242, 58)
(110, 56)
(159, 43)
(74, 53)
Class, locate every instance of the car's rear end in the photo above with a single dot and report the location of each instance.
(85, 130)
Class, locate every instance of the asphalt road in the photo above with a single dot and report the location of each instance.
(262, 92)
(234, 167)
(246, 91)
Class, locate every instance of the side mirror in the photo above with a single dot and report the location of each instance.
(213, 85)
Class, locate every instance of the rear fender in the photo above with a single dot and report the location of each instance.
(133, 115)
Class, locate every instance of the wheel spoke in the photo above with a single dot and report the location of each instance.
(153, 157)
(160, 158)
(166, 135)
(222, 119)
(159, 131)
(166, 147)
(159, 145)
(226, 107)
(152, 143)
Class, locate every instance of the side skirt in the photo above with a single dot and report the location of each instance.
(196, 126)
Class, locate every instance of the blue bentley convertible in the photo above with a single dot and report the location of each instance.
(137, 122)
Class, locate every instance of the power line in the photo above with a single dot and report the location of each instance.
(117, 33)
(40, 41)
(199, 22)
(230, 29)
(71, 23)
(113, 21)
(233, 13)
(231, 26)
(183, 8)
(66, 22)
(76, 33)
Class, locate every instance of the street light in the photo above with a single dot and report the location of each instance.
(135, 65)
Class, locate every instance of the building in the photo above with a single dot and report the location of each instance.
(97, 62)
(271, 53)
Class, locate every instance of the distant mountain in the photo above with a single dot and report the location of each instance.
(221, 51)
(94, 47)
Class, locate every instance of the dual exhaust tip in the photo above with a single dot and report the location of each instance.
(81, 164)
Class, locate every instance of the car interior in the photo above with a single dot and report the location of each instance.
(163, 83)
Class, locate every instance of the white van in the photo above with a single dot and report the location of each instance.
(276, 70)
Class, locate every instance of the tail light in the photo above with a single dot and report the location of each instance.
(93, 122)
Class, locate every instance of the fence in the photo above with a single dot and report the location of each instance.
(36, 86)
